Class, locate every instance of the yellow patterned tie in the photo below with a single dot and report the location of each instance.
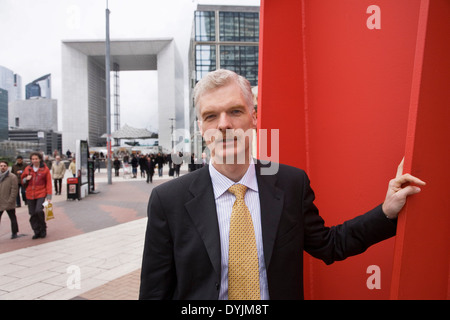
(243, 269)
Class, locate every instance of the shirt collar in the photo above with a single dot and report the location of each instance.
(221, 183)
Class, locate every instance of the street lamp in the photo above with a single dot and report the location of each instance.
(108, 98)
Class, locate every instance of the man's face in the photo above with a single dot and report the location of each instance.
(35, 161)
(19, 160)
(3, 167)
(226, 123)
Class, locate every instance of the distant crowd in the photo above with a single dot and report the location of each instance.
(30, 182)
(149, 163)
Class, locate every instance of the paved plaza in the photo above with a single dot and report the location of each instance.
(93, 248)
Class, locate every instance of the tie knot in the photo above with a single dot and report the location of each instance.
(238, 190)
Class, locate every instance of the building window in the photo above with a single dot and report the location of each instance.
(239, 26)
(205, 26)
(205, 60)
(17, 122)
(241, 59)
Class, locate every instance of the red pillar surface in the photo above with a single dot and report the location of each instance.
(339, 91)
(422, 248)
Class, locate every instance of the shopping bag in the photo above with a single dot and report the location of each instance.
(48, 210)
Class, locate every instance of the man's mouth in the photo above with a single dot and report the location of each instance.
(227, 139)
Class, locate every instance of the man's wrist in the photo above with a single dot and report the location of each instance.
(387, 214)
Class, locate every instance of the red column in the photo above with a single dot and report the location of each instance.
(336, 79)
(422, 248)
(281, 82)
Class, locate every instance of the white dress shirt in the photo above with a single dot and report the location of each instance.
(224, 205)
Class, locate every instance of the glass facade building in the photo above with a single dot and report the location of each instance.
(226, 37)
(223, 37)
(39, 88)
(3, 114)
(11, 82)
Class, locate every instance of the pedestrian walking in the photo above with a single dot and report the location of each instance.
(48, 162)
(192, 165)
(73, 167)
(142, 165)
(38, 183)
(134, 165)
(58, 171)
(160, 163)
(150, 168)
(178, 164)
(17, 169)
(8, 193)
(96, 163)
(116, 165)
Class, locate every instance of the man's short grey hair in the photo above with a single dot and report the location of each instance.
(221, 78)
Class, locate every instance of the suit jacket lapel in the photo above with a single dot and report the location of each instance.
(271, 199)
(202, 210)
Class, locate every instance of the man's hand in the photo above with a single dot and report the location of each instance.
(399, 189)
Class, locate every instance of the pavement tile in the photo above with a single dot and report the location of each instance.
(31, 292)
(93, 249)
(122, 288)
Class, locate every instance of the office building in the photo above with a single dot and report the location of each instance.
(11, 82)
(39, 88)
(43, 140)
(35, 121)
(34, 114)
(3, 114)
(223, 37)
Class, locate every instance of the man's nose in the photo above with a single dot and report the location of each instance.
(224, 122)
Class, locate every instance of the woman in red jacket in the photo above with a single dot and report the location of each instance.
(38, 180)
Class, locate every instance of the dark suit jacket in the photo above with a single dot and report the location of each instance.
(181, 257)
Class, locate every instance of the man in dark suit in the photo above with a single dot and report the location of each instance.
(186, 246)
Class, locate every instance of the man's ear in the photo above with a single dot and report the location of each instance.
(255, 119)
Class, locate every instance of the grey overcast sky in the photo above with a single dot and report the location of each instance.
(32, 31)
